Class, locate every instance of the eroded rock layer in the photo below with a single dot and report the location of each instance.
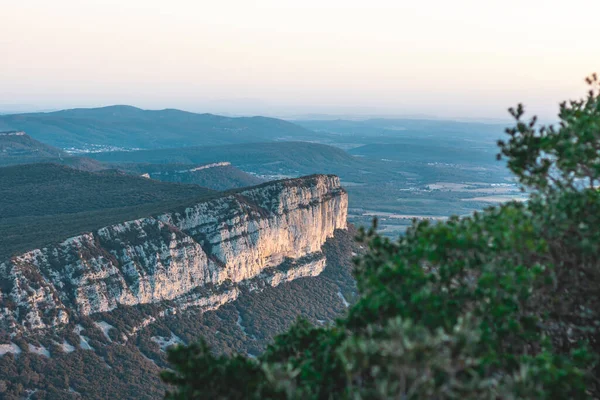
(225, 240)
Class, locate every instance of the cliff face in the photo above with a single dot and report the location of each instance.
(224, 241)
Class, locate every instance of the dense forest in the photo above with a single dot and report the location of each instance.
(43, 203)
(501, 304)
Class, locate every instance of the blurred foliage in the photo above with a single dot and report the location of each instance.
(503, 304)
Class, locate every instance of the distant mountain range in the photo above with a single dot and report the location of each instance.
(131, 127)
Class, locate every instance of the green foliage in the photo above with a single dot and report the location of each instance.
(563, 158)
(219, 374)
(503, 304)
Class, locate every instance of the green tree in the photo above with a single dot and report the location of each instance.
(503, 304)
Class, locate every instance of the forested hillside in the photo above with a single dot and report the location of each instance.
(16, 147)
(44, 203)
(216, 176)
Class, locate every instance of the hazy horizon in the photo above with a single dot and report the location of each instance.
(359, 115)
(464, 60)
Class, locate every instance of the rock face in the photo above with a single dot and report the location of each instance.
(224, 241)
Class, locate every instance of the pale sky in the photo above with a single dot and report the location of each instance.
(446, 58)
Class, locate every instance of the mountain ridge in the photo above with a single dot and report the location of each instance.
(131, 127)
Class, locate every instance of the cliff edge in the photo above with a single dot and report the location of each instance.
(193, 256)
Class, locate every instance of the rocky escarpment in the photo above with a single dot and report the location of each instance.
(225, 241)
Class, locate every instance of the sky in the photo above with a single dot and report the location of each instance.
(449, 59)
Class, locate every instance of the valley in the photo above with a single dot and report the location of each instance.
(427, 188)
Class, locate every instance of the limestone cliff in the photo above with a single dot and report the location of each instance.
(224, 241)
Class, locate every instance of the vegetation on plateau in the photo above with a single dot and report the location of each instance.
(42, 203)
(503, 304)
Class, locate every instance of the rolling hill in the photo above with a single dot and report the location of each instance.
(216, 176)
(16, 147)
(272, 158)
(130, 127)
(20, 146)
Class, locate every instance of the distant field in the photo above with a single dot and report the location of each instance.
(433, 168)
(496, 199)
